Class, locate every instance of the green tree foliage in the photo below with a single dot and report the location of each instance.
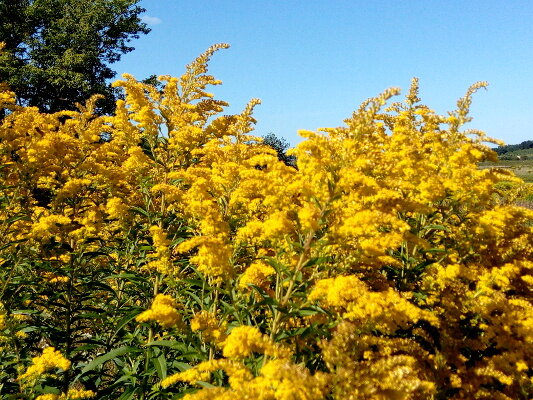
(281, 146)
(528, 144)
(57, 52)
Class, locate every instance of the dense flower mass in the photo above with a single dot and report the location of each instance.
(49, 360)
(166, 252)
(163, 311)
(72, 394)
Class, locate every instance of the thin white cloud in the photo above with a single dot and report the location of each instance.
(149, 20)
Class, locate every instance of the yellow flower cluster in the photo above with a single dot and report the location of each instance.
(3, 317)
(257, 274)
(212, 329)
(162, 262)
(116, 208)
(369, 367)
(278, 379)
(49, 360)
(245, 340)
(384, 265)
(384, 310)
(72, 394)
(163, 311)
(48, 226)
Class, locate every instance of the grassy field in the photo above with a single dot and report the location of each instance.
(522, 168)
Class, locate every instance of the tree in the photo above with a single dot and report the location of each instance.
(57, 52)
(527, 144)
(281, 146)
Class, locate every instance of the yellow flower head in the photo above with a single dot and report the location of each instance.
(49, 360)
(256, 274)
(73, 394)
(245, 340)
(212, 329)
(163, 311)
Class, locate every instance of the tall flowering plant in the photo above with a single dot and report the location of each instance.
(165, 252)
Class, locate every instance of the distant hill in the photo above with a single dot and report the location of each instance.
(522, 150)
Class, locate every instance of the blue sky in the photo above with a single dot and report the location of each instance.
(313, 62)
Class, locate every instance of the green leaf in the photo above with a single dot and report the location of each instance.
(140, 211)
(436, 227)
(195, 297)
(50, 390)
(181, 365)
(128, 394)
(193, 282)
(315, 261)
(304, 312)
(206, 385)
(16, 218)
(160, 364)
(125, 320)
(107, 357)
(169, 343)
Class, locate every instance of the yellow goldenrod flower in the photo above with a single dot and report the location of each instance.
(163, 311)
(212, 329)
(49, 360)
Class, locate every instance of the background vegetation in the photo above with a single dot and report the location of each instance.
(58, 52)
